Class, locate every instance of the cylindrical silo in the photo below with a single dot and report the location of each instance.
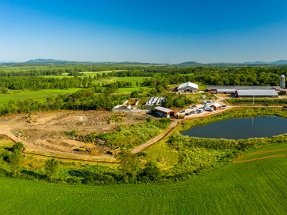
(282, 81)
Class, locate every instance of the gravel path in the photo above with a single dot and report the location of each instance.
(149, 143)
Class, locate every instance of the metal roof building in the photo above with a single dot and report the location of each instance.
(228, 91)
(256, 93)
(224, 89)
(253, 87)
(188, 86)
(161, 111)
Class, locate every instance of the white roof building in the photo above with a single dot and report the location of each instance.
(256, 93)
(188, 86)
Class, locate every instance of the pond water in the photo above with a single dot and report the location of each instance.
(241, 128)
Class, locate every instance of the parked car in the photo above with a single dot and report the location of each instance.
(200, 110)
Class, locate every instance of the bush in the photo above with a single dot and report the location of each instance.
(151, 172)
(17, 147)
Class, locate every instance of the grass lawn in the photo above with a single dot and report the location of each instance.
(131, 79)
(5, 98)
(258, 187)
(162, 153)
(131, 89)
(273, 150)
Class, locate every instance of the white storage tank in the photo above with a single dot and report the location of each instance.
(282, 81)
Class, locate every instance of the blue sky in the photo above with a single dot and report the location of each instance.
(144, 31)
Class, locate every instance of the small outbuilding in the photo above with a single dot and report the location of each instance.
(188, 87)
(215, 106)
(161, 111)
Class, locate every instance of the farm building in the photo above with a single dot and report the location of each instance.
(188, 87)
(232, 89)
(226, 91)
(256, 93)
(161, 111)
(215, 106)
(283, 92)
(155, 101)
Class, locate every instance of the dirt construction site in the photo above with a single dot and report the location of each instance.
(44, 133)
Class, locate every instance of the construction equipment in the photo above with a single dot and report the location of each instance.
(89, 147)
(111, 121)
(30, 118)
(122, 114)
(114, 151)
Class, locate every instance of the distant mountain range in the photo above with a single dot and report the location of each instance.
(188, 63)
(46, 61)
(191, 63)
(278, 62)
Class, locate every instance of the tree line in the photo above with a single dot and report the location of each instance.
(80, 100)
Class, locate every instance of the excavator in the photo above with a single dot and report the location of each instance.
(30, 118)
(89, 147)
(121, 114)
(114, 151)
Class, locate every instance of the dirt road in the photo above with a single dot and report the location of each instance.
(149, 143)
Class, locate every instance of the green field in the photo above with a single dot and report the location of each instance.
(267, 152)
(5, 98)
(131, 89)
(258, 187)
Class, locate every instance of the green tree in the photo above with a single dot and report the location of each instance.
(151, 171)
(134, 94)
(14, 160)
(17, 147)
(129, 165)
(51, 168)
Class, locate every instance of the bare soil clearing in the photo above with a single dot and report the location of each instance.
(45, 133)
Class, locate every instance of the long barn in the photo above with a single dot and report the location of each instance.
(225, 89)
(256, 93)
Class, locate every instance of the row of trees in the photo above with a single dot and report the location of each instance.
(80, 100)
(133, 168)
(38, 83)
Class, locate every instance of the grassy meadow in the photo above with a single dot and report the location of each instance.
(274, 150)
(14, 96)
(258, 187)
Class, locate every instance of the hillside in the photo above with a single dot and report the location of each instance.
(258, 187)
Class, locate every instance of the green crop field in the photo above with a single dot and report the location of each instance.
(5, 98)
(258, 187)
(273, 150)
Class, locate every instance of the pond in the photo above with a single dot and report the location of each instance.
(241, 128)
